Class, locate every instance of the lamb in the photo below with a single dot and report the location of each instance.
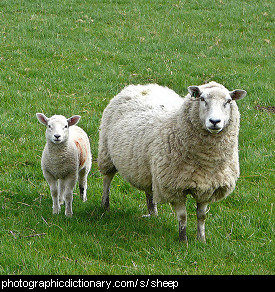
(170, 146)
(66, 158)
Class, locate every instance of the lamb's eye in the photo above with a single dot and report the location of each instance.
(49, 126)
(228, 102)
(66, 127)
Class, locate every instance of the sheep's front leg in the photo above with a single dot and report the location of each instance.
(107, 179)
(61, 189)
(201, 216)
(55, 198)
(53, 184)
(180, 209)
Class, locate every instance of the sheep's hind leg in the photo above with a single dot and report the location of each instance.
(201, 216)
(82, 180)
(151, 206)
(107, 179)
(180, 209)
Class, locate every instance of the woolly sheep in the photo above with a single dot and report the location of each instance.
(66, 158)
(170, 146)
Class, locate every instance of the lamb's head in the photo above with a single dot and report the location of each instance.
(215, 104)
(57, 127)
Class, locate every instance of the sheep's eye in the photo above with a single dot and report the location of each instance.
(49, 126)
(202, 99)
(228, 101)
(66, 127)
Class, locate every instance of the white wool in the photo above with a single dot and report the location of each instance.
(170, 146)
(66, 159)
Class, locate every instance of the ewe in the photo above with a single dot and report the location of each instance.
(170, 146)
(66, 158)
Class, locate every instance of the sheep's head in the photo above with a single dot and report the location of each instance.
(57, 127)
(215, 104)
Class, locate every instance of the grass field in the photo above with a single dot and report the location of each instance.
(71, 57)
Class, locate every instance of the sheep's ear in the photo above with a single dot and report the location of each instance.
(42, 119)
(194, 91)
(237, 94)
(73, 120)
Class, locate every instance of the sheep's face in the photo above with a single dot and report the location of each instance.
(214, 110)
(57, 130)
(57, 127)
(215, 106)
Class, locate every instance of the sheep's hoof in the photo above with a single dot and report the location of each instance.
(56, 210)
(201, 239)
(84, 199)
(183, 240)
(69, 214)
(106, 208)
(83, 194)
(182, 233)
(151, 215)
(105, 204)
(147, 215)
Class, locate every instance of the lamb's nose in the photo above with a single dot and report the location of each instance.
(214, 122)
(57, 136)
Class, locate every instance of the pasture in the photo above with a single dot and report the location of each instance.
(71, 57)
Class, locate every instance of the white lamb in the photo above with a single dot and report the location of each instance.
(66, 158)
(170, 146)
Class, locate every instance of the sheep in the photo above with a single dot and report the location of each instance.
(66, 158)
(169, 146)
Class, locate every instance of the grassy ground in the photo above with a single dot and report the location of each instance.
(71, 57)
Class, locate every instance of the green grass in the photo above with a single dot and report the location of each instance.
(71, 57)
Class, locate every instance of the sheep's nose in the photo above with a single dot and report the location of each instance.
(214, 121)
(57, 136)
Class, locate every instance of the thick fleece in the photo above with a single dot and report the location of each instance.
(159, 143)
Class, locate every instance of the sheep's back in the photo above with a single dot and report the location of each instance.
(130, 125)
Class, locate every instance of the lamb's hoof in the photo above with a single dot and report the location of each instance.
(84, 199)
(203, 240)
(69, 214)
(56, 210)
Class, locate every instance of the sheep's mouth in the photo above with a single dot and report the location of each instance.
(214, 130)
(57, 141)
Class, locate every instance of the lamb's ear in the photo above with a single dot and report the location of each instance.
(194, 91)
(42, 119)
(237, 94)
(73, 120)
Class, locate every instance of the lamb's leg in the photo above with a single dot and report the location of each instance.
(106, 190)
(53, 183)
(68, 194)
(201, 216)
(180, 209)
(61, 189)
(151, 206)
(82, 180)
(54, 194)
